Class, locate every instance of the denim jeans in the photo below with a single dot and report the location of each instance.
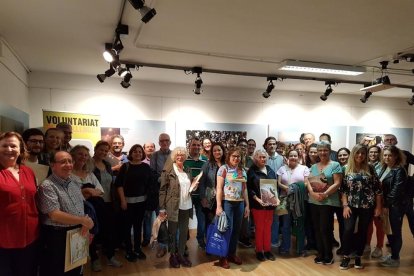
(286, 233)
(409, 212)
(149, 218)
(396, 218)
(201, 219)
(234, 212)
(275, 229)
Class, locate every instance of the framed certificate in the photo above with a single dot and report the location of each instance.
(268, 191)
(77, 249)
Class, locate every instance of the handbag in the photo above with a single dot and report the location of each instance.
(217, 242)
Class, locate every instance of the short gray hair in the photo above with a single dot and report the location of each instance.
(323, 144)
(176, 151)
(259, 152)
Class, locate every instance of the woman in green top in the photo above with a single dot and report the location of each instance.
(323, 183)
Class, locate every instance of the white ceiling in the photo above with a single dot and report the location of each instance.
(234, 35)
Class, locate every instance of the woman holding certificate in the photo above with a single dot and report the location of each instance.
(262, 179)
(323, 183)
(232, 197)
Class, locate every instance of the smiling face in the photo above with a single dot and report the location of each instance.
(35, 144)
(261, 160)
(313, 154)
(101, 152)
(206, 145)
(9, 151)
(388, 158)
(373, 154)
(62, 165)
(217, 152)
(293, 158)
(117, 145)
(80, 157)
(323, 153)
(360, 156)
(180, 158)
(251, 146)
(234, 159)
(343, 157)
(195, 148)
(149, 148)
(308, 139)
(137, 154)
(53, 140)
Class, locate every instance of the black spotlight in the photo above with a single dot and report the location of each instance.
(108, 73)
(269, 89)
(198, 82)
(328, 90)
(146, 13)
(125, 82)
(364, 98)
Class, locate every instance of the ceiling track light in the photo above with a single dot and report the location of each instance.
(270, 87)
(328, 90)
(114, 49)
(198, 81)
(146, 13)
(125, 83)
(108, 73)
(364, 98)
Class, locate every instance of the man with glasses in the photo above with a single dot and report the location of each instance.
(34, 140)
(160, 157)
(61, 209)
(117, 145)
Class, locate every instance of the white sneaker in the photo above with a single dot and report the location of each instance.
(114, 262)
(389, 262)
(276, 245)
(377, 253)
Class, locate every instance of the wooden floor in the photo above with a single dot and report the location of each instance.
(204, 265)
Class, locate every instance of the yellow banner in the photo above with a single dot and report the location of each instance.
(86, 128)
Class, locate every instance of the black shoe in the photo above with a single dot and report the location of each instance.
(345, 263)
(260, 256)
(269, 256)
(140, 255)
(186, 254)
(318, 260)
(335, 243)
(328, 261)
(245, 242)
(131, 257)
(339, 251)
(202, 245)
(358, 263)
(145, 243)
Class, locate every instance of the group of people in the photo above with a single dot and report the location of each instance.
(309, 182)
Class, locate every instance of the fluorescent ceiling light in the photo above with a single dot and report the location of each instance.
(324, 68)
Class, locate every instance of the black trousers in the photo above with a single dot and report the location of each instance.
(356, 241)
(134, 215)
(322, 216)
(19, 261)
(52, 260)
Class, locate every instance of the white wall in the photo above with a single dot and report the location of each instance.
(177, 103)
(14, 89)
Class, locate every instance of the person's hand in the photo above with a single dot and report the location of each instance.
(219, 210)
(246, 212)
(347, 212)
(204, 203)
(87, 224)
(124, 205)
(377, 212)
(261, 202)
(314, 195)
(116, 167)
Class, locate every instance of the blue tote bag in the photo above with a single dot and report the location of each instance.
(217, 242)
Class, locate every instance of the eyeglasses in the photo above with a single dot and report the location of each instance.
(235, 156)
(34, 141)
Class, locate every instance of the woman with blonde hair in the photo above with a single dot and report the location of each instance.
(175, 202)
(361, 201)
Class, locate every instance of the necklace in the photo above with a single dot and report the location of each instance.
(321, 167)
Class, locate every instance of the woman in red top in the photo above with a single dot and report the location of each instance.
(18, 214)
